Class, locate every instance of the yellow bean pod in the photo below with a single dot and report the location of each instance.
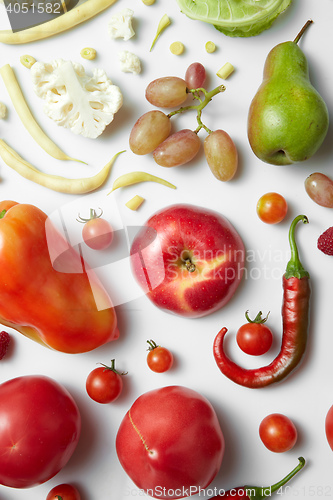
(71, 18)
(135, 202)
(28, 120)
(54, 182)
(27, 60)
(136, 177)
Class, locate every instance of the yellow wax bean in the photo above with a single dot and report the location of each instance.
(28, 120)
(136, 177)
(54, 182)
(225, 71)
(135, 202)
(27, 61)
(177, 48)
(88, 53)
(210, 47)
(164, 23)
(71, 18)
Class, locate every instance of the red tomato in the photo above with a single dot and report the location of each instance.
(329, 427)
(254, 337)
(63, 492)
(97, 233)
(104, 384)
(170, 442)
(40, 428)
(159, 359)
(272, 208)
(278, 433)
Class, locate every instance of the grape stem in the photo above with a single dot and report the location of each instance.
(199, 107)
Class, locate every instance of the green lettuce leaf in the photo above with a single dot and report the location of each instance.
(237, 18)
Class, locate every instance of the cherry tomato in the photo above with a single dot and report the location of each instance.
(104, 384)
(272, 208)
(329, 427)
(63, 492)
(97, 233)
(159, 359)
(278, 433)
(254, 337)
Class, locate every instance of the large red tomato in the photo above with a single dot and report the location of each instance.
(40, 428)
(170, 442)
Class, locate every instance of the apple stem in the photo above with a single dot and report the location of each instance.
(305, 27)
(189, 266)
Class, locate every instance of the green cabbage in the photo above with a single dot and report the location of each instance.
(235, 17)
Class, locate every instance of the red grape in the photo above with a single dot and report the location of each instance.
(179, 148)
(221, 155)
(149, 131)
(167, 92)
(195, 76)
(320, 189)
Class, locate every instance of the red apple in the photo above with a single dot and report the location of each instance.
(170, 442)
(188, 260)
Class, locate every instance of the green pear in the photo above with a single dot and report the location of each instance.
(288, 119)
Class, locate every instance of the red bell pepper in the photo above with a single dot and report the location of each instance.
(47, 291)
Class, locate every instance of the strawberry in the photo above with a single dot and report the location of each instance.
(325, 241)
(4, 343)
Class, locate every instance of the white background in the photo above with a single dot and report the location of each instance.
(307, 395)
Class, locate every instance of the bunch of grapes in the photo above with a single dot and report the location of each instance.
(152, 131)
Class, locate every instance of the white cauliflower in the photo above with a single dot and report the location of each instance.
(120, 25)
(129, 62)
(85, 104)
(3, 110)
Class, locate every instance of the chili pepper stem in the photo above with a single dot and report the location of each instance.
(264, 492)
(294, 267)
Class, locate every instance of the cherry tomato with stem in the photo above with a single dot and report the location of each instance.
(254, 337)
(63, 491)
(159, 359)
(272, 208)
(278, 433)
(97, 233)
(104, 384)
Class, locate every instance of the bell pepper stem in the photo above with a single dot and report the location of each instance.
(294, 267)
(256, 493)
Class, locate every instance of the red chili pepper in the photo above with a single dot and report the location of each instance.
(257, 492)
(295, 319)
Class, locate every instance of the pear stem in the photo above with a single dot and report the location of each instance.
(305, 27)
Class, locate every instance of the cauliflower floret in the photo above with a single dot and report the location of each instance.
(3, 110)
(85, 104)
(120, 25)
(129, 62)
